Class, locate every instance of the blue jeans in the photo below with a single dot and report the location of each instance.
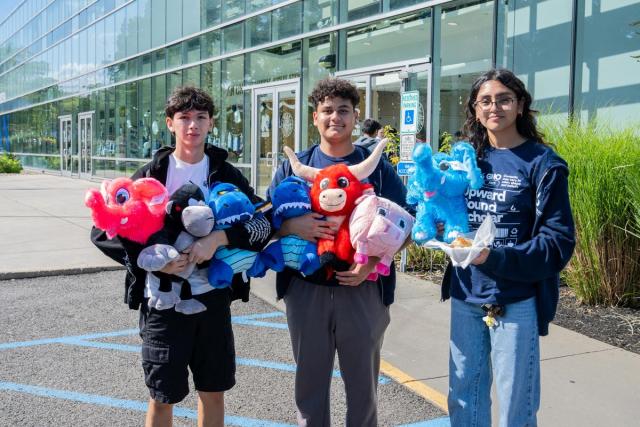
(509, 350)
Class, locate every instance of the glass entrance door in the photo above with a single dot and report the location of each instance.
(67, 158)
(85, 140)
(380, 96)
(277, 123)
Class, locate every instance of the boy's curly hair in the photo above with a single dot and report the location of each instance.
(186, 98)
(334, 88)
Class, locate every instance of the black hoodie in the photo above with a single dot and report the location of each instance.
(253, 235)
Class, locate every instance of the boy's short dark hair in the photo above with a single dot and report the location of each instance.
(186, 98)
(334, 88)
(371, 126)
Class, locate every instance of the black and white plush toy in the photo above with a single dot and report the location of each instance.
(188, 218)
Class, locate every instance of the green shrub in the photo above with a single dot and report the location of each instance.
(9, 164)
(604, 181)
(421, 259)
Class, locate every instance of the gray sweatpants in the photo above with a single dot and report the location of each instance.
(323, 319)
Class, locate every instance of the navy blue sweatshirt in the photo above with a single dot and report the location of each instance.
(386, 183)
(526, 193)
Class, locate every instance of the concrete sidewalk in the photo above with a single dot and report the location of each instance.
(44, 230)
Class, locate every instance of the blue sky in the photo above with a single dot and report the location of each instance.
(7, 6)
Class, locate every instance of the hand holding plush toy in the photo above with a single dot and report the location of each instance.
(291, 199)
(333, 193)
(231, 206)
(378, 228)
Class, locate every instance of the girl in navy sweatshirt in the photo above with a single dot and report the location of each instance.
(505, 300)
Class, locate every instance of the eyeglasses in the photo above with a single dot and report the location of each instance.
(501, 103)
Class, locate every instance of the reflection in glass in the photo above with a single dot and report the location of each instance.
(232, 38)
(212, 13)
(258, 29)
(265, 142)
(319, 14)
(358, 9)
(366, 45)
(466, 52)
(232, 109)
(287, 21)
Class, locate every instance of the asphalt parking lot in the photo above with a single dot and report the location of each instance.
(70, 356)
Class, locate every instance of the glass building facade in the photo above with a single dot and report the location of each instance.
(83, 82)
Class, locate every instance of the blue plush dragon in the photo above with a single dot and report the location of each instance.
(291, 199)
(231, 206)
(437, 188)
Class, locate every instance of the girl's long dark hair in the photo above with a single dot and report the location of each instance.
(525, 123)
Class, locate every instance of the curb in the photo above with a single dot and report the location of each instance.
(58, 272)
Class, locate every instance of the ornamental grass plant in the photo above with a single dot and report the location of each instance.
(604, 188)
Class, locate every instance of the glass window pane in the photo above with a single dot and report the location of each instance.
(132, 29)
(174, 20)
(610, 81)
(398, 4)
(145, 118)
(190, 17)
(212, 13)
(277, 63)
(319, 14)
(191, 76)
(258, 30)
(465, 53)
(255, 5)
(174, 55)
(358, 9)
(287, 21)
(232, 38)
(191, 50)
(131, 121)
(232, 109)
(233, 9)
(159, 60)
(158, 23)
(210, 44)
(367, 44)
(159, 133)
(120, 34)
(144, 25)
(210, 80)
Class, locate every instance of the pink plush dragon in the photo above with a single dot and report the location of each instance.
(378, 228)
(131, 209)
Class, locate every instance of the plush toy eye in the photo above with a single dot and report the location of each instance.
(444, 166)
(401, 223)
(122, 196)
(324, 184)
(222, 192)
(382, 212)
(343, 182)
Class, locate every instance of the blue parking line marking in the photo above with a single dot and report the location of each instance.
(436, 422)
(62, 340)
(251, 320)
(134, 405)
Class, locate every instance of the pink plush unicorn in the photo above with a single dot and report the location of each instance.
(378, 227)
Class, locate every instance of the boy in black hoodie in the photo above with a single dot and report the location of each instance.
(204, 341)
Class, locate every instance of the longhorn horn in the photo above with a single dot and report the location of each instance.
(366, 167)
(303, 171)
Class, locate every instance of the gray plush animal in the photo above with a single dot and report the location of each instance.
(188, 217)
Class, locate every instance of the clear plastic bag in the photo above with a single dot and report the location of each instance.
(462, 257)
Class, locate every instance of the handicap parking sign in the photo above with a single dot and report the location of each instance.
(406, 168)
(408, 117)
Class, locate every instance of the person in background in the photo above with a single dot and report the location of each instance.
(369, 137)
(506, 299)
